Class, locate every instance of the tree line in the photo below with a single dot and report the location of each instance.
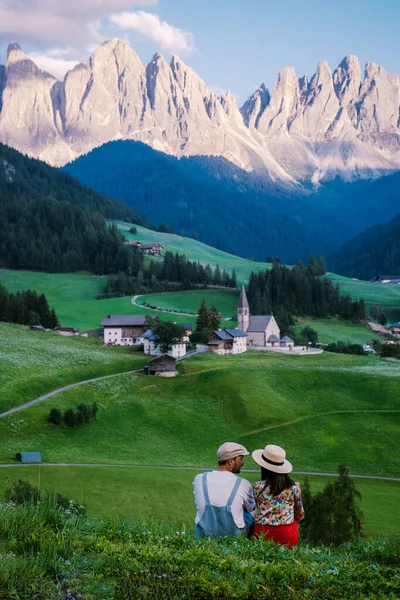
(50, 222)
(289, 292)
(135, 277)
(26, 308)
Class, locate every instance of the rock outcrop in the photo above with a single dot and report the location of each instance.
(302, 130)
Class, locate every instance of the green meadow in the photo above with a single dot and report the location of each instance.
(73, 296)
(189, 301)
(134, 493)
(34, 363)
(321, 408)
(194, 250)
(334, 330)
(387, 296)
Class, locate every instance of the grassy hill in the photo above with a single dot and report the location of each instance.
(34, 363)
(194, 250)
(321, 408)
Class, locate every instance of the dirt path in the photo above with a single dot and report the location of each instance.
(62, 389)
(167, 310)
(178, 468)
(305, 417)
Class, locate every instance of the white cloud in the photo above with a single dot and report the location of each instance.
(168, 37)
(55, 66)
(49, 22)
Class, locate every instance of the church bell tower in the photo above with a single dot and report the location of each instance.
(243, 311)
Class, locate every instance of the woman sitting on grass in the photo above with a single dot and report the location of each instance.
(278, 498)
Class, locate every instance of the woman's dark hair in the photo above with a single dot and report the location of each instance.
(276, 482)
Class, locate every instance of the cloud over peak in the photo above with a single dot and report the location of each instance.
(168, 37)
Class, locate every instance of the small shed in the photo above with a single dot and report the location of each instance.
(286, 342)
(28, 457)
(162, 366)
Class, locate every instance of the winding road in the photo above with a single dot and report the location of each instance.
(167, 310)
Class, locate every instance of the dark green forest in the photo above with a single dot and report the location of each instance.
(287, 293)
(372, 253)
(51, 222)
(26, 308)
(134, 277)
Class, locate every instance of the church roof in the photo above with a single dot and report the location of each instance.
(258, 323)
(243, 303)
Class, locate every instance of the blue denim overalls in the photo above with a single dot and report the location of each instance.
(217, 521)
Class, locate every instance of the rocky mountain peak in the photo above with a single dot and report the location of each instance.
(347, 83)
(302, 129)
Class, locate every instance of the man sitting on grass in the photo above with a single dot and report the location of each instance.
(224, 501)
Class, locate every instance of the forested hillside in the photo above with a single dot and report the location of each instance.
(221, 209)
(374, 252)
(240, 212)
(51, 222)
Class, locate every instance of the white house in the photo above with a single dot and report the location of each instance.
(262, 330)
(227, 341)
(151, 346)
(123, 330)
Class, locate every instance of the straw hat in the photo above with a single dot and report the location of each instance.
(273, 459)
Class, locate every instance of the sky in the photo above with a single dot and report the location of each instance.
(233, 45)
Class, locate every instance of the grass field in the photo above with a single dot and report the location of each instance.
(334, 330)
(135, 493)
(73, 297)
(194, 250)
(387, 296)
(322, 408)
(34, 363)
(189, 301)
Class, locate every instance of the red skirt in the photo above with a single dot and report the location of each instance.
(285, 535)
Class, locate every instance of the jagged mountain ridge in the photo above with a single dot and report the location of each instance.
(302, 130)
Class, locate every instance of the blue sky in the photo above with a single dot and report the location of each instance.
(233, 45)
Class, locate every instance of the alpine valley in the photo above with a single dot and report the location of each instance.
(301, 168)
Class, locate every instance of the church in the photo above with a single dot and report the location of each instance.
(262, 330)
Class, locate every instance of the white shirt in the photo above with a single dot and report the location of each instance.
(220, 485)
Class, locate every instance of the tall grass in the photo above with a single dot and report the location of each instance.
(46, 554)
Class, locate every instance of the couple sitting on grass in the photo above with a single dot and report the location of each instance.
(229, 505)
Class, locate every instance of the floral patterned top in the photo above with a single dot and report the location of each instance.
(277, 510)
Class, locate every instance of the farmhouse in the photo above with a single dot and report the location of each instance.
(262, 330)
(227, 341)
(154, 249)
(395, 329)
(151, 345)
(123, 330)
(162, 366)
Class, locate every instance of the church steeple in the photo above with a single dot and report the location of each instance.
(243, 311)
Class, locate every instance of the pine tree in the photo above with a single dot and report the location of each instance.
(202, 321)
(214, 318)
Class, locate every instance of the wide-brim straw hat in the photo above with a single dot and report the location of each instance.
(272, 458)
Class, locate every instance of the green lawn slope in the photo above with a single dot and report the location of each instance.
(321, 408)
(194, 250)
(34, 363)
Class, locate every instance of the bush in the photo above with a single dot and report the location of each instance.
(343, 348)
(84, 414)
(55, 416)
(22, 492)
